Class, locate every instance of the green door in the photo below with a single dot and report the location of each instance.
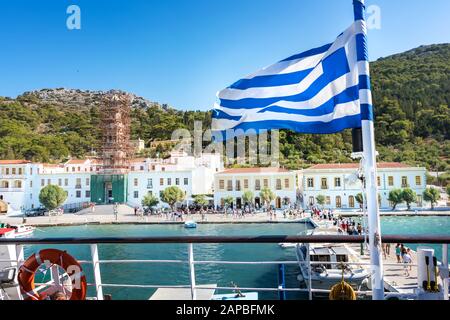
(99, 183)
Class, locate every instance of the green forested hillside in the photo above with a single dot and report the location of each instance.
(411, 97)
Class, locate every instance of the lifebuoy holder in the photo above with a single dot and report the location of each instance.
(64, 260)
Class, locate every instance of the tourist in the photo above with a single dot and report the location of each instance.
(359, 228)
(407, 260)
(398, 252)
(388, 249)
(202, 212)
(383, 246)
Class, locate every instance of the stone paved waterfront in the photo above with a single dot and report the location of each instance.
(105, 215)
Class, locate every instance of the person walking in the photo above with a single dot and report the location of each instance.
(116, 211)
(388, 249)
(407, 260)
(398, 252)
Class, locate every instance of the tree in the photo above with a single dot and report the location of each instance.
(52, 196)
(432, 195)
(320, 200)
(247, 197)
(200, 200)
(150, 200)
(228, 201)
(172, 195)
(267, 196)
(409, 196)
(395, 197)
(360, 199)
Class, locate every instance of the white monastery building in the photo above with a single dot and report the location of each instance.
(21, 181)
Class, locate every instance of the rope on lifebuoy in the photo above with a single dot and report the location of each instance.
(342, 290)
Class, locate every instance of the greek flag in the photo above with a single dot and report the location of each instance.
(316, 91)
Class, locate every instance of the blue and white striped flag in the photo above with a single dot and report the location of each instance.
(317, 91)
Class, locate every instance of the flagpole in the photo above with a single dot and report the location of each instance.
(369, 155)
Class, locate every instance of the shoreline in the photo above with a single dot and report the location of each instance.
(130, 219)
(85, 220)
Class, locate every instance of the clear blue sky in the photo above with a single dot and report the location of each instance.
(181, 52)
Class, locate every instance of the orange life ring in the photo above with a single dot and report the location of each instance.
(64, 260)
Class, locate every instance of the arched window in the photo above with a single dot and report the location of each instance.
(5, 184)
(351, 201)
(338, 202)
(18, 184)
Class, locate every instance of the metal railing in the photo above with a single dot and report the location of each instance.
(191, 262)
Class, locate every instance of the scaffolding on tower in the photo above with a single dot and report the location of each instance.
(115, 125)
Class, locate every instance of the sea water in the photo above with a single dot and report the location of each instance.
(255, 275)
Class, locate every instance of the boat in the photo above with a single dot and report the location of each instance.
(22, 230)
(332, 267)
(190, 224)
(287, 245)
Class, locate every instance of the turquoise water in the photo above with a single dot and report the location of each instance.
(178, 274)
(417, 226)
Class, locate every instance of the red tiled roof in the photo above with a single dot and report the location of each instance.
(380, 165)
(14, 161)
(51, 165)
(76, 161)
(254, 170)
(137, 160)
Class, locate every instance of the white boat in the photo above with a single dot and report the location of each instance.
(190, 224)
(286, 245)
(22, 230)
(332, 258)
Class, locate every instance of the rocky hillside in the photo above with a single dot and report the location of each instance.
(78, 99)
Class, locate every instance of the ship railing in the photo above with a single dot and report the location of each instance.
(96, 262)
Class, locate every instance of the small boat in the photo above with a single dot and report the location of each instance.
(286, 245)
(22, 230)
(190, 224)
(332, 267)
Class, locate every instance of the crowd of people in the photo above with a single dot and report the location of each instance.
(346, 225)
(183, 213)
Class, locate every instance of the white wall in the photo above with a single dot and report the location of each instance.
(347, 189)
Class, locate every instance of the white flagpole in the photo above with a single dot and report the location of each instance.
(369, 158)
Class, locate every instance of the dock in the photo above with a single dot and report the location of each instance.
(184, 293)
(394, 275)
(395, 279)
